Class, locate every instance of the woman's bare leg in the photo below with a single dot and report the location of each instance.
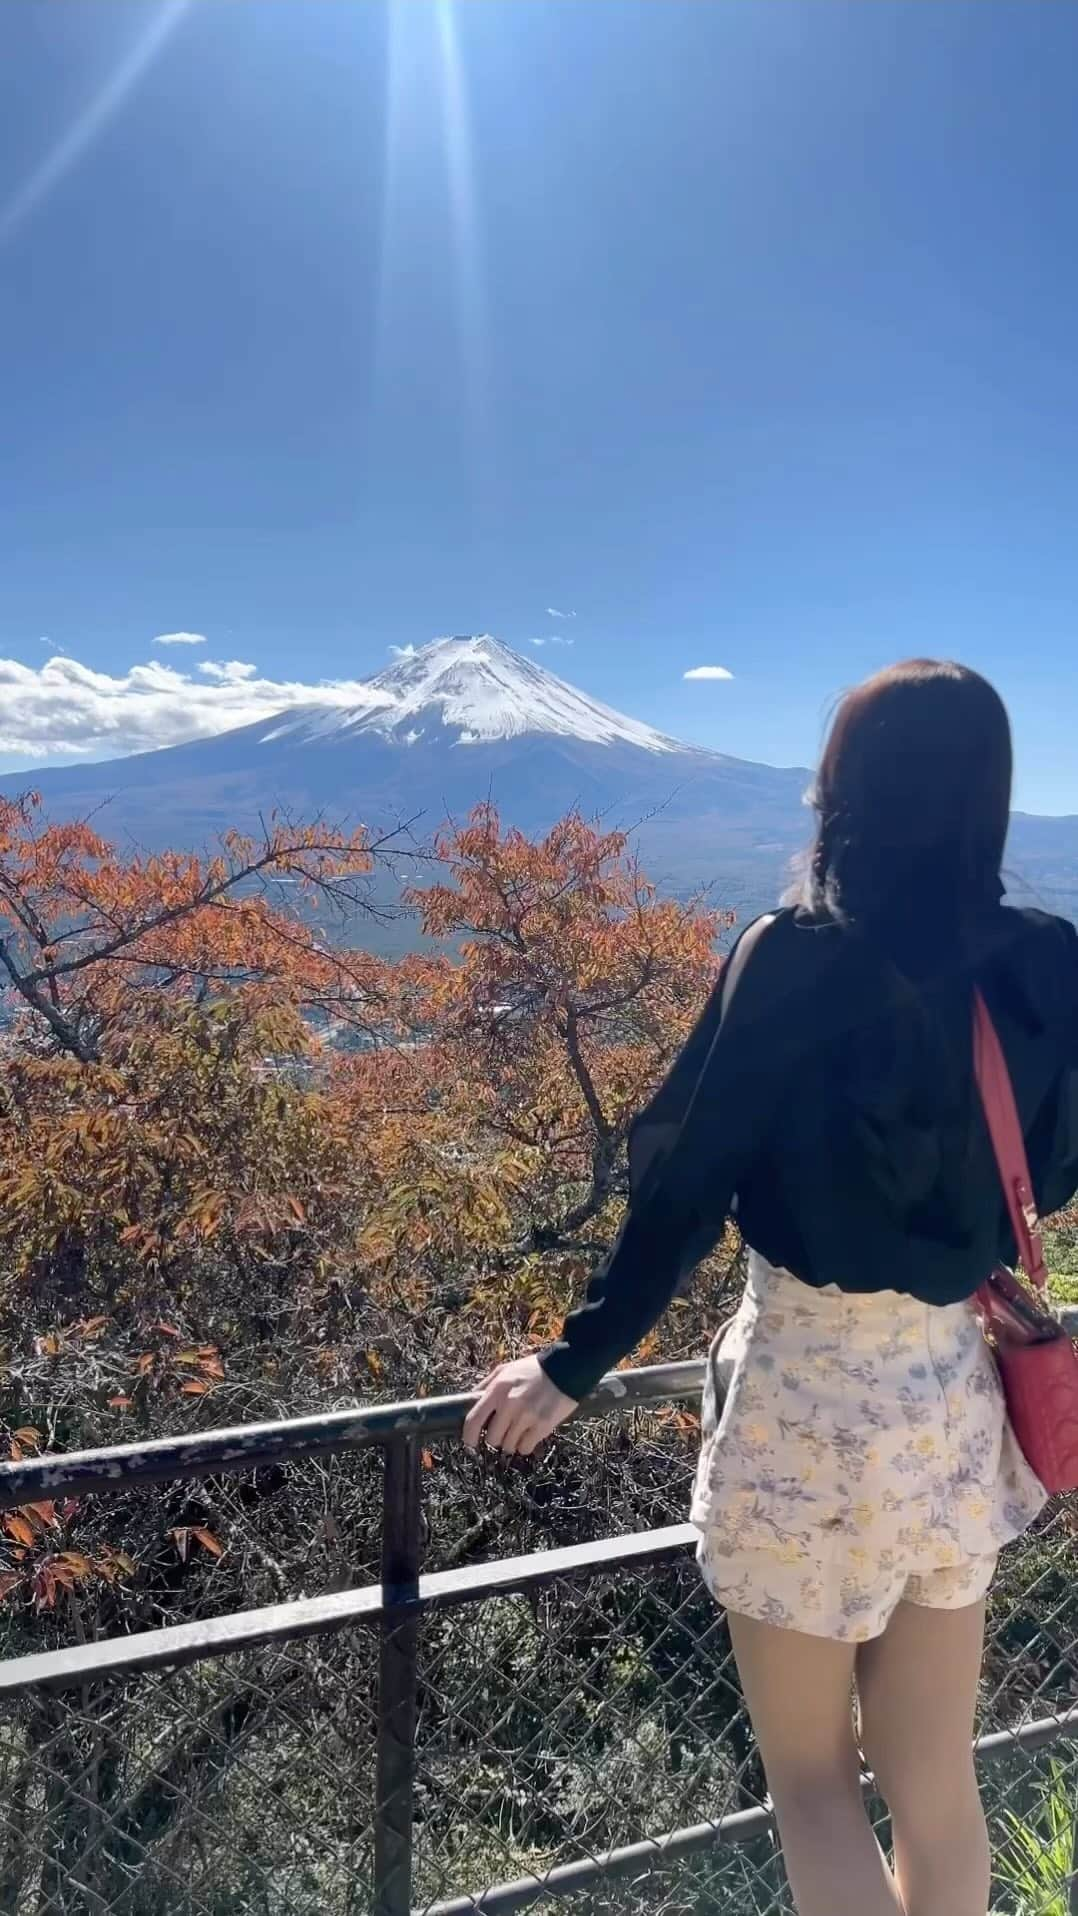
(799, 1694)
(918, 1689)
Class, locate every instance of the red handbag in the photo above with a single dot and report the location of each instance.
(1038, 1362)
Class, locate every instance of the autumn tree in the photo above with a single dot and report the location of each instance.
(206, 1201)
(145, 995)
(524, 1058)
(86, 933)
(248, 1172)
(209, 1207)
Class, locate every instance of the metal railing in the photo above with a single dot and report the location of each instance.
(559, 1723)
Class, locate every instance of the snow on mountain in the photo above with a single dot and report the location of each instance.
(478, 689)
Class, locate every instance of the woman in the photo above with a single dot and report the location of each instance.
(858, 1475)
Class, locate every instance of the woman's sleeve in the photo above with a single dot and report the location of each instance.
(1070, 965)
(686, 1153)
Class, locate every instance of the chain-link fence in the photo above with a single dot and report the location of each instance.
(555, 1729)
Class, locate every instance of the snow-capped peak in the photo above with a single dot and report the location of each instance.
(478, 689)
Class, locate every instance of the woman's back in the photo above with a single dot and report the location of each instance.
(875, 1171)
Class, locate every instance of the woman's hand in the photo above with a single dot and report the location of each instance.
(518, 1407)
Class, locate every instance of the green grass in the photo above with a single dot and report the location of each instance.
(1061, 1257)
(1036, 1858)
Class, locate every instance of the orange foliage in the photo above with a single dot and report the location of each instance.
(210, 1207)
(85, 933)
(504, 1120)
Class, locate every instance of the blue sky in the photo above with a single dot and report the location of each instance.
(745, 331)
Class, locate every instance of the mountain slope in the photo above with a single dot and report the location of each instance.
(467, 719)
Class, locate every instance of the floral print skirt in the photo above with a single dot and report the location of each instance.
(856, 1454)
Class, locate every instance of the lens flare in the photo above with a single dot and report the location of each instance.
(92, 121)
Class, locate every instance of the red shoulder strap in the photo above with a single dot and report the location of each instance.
(1005, 1131)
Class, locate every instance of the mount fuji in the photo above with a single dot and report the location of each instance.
(471, 692)
(466, 719)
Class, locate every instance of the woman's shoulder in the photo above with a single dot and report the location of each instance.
(790, 928)
(1041, 934)
(778, 964)
(1043, 951)
(793, 939)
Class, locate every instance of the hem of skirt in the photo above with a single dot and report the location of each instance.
(736, 1604)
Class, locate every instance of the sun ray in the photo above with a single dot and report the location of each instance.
(93, 119)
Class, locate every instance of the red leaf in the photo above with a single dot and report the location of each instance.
(45, 1588)
(208, 1541)
(18, 1528)
(193, 1388)
(119, 1403)
(9, 1581)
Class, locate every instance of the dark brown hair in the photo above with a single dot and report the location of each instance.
(913, 796)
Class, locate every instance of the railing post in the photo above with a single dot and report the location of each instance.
(397, 1685)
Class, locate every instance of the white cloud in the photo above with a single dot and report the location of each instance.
(553, 613)
(708, 672)
(232, 672)
(403, 651)
(63, 712)
(537, 641)
(180, 638)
